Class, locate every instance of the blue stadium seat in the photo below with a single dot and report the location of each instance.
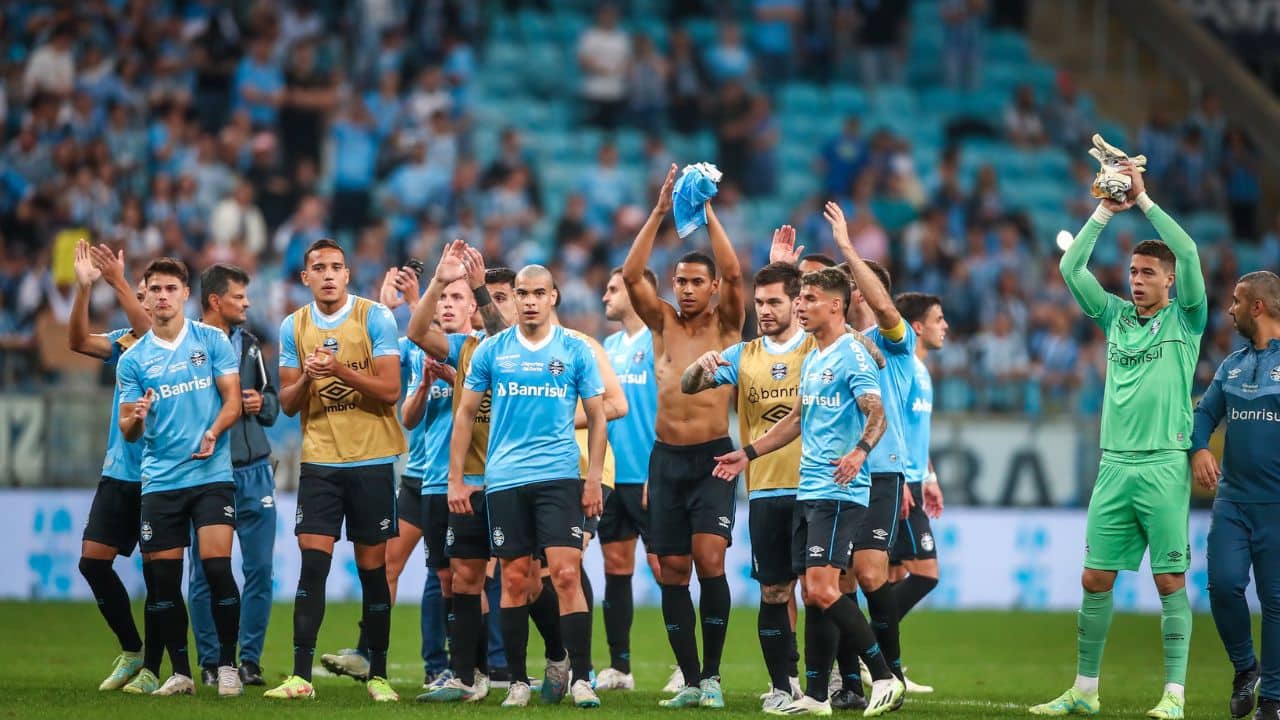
(1006, 46)
(1208, 228)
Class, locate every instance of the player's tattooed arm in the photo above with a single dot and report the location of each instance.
(473, 261)
(873, 409)
(701, 375)
(870, 347)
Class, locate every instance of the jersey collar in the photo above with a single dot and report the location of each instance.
(171, 346)
(822, 352)
(346, 308)
(532, 346)
(631, 339)
(780, 348)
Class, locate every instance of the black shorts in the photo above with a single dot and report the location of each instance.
(115, 515)
(771, 526)
(364, 496)
(880, 523)
(823, 533)
(592, 525)
(169, 517)
(527, 519)
(686, 499)
(915, 536)
(409, 501)
(434, 521)
(468, 535)
(624, 516)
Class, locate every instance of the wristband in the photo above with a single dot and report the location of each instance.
(750, 451)
(863, 446)
(1144, 202)
(1101, 215)
(481, 294)
(932, 477)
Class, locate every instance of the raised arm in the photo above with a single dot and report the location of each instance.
(422, 329)
(732, 307)
(79, 339)
(111, 265)
(644, 297)
(1086, 289)
(1188, 277)
(876, 294)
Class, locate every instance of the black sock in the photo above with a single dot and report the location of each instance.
(819, 649)
(577, 640)
(847, 653)
(153, 646)
(884, 620)
(173, 613)
(113, 601)
(850, 621)
(776, 640)
(713, 607)
(224, 597)
(462, 636)
(362, 642)
(375, 611)
(677, 613)
(545, 613)
(619, 612)
(793, 658)
(481, 652)
(308, 609)
(515, 640)
(911, 591)
(450, 617)
(587, 591)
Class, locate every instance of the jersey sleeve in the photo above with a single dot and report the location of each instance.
(480, 372)
(1188, 277)
(128, 380)
(590, 383)
(383, 333)
(1086, 289)
(456, 341)
(288, 348)
(728, 374)
(120, 340)
(222, 355)
(862, 375)
(1209, 412)
(905, 342)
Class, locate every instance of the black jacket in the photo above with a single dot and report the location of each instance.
(248, 439)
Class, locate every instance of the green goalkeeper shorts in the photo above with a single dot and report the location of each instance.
(1141, 500)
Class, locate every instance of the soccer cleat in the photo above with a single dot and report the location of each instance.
(125, 667)
(1244, 688)
(451, 690)
(518, 694)
(834, 682)
(347, 662)
(144, 683)
(209, 675)
(1268, 709)
(481, 685)
(675, 683)
(177, 685)
(865, 674)
(251, 673)
(1071, 702)
(229, 683)
(712, 694)
(804, 706)
(1169, 708)
(916, 688)
(293, 688)
(583, 695)
(796, 691)
(555, 681)
(885, 694)
(775, 699)
(380, 690)
(433, 679)
(610, 679)
(846, 699)
(686, 697)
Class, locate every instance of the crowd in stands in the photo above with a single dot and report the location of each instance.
(241, 132)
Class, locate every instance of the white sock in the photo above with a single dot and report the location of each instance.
(1175, 690)
(1087, 685)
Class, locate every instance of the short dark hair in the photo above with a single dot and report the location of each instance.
(167, 266)
(699, 258)
(1158, 250)
(648, 275)
(217, 279)
(830, 280)
(500, 276)
(915, 305)
(823, 260)
(323, 244)
(1263, 285)
(777, 272)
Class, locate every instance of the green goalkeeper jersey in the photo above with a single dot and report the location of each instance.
(1150, 360)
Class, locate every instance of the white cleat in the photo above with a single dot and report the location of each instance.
(915, 687)
(884, 695)
(804, 706)
(775, 699)
(796, 691)
(583, 696)
(610, 679)
(518, 694)
(177, 685)
(229, 684)
(346, 662)
(481, 686)
(835, 683)
(866, 674)
(675, 683)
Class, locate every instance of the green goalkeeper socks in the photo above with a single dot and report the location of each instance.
(1175, 630)
(1093, 623)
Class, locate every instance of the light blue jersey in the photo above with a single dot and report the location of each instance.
(123, 460)
(183, 375)
(890, 455)
(535, 391)
(916, 422)
(632, 435)
(831, 381)
(429, 441)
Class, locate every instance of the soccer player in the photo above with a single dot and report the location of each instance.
(225, 301)
(914, 556)
(179, 394)
(631, 437)
(691, 513)
(340, 367)
(1144, 483)
(766, 373)
(536, 373)
(839, 400)
(112, 528)
(1246, 393)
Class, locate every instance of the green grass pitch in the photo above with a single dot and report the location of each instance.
(984, 665)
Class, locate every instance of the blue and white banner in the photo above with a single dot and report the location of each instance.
(994, 559)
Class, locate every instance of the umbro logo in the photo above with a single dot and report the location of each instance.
(336, 391)
(229, 511)
(775, 413)
(384, 524)
(576, 532)
(816, 551)
(724, 521)
(268, 501)
(880, 533)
